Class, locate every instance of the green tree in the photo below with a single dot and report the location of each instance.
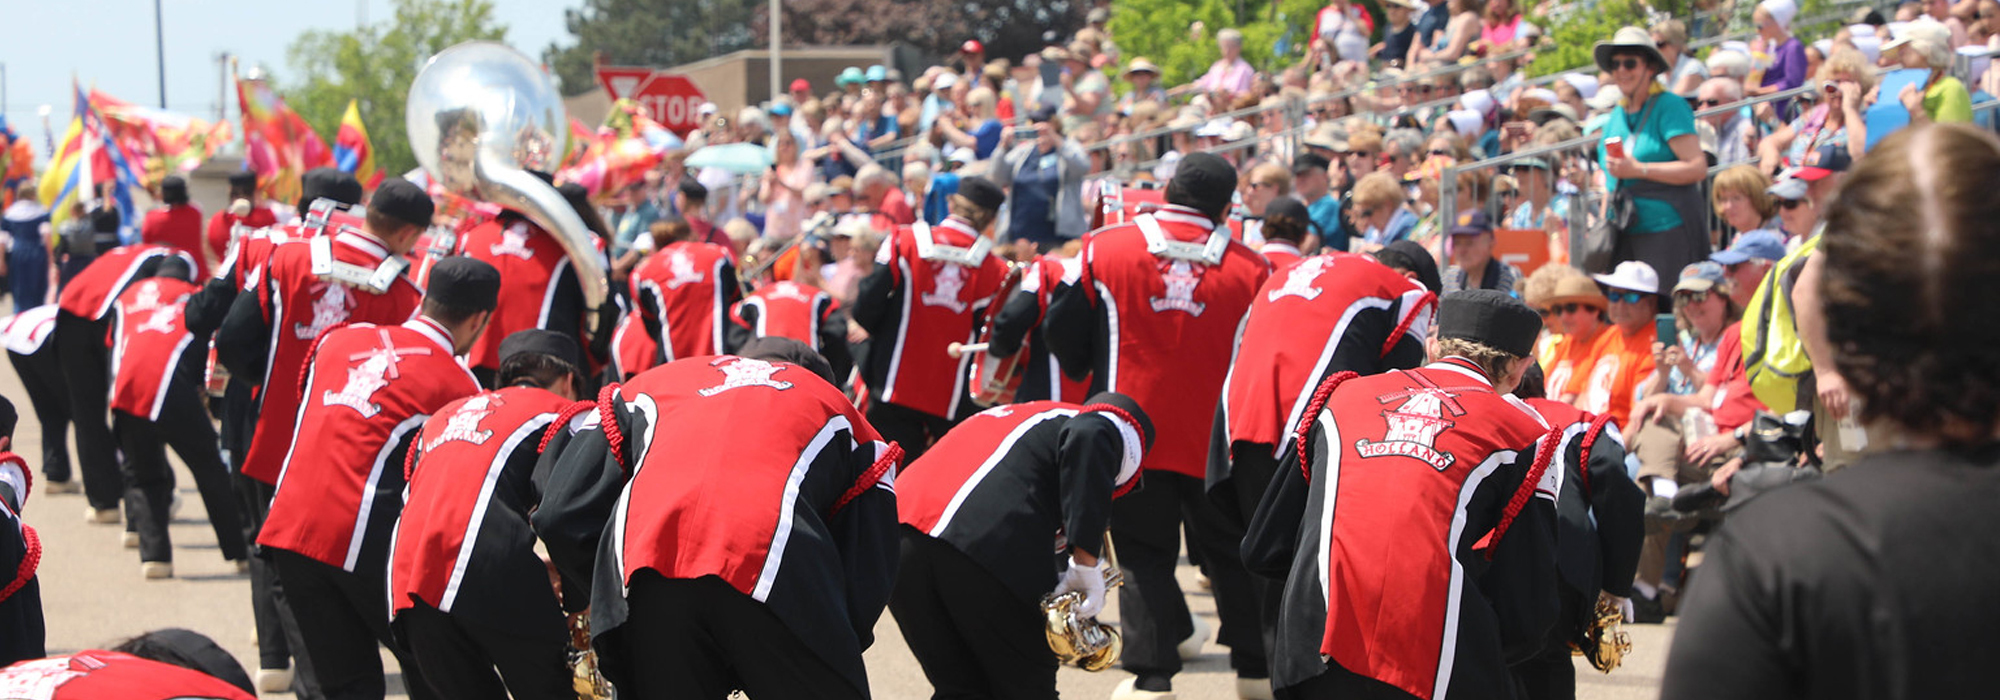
(375, 65)
(1275, 33)
(650, 33)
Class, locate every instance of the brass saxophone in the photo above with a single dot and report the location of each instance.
(584, 676)
(1605, 644)
(1079, 641)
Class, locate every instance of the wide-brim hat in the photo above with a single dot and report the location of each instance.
(1630, 40)
(1633, 276)
(1577, 289)
(1141, 65)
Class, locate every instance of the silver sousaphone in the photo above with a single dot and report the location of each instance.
(480, 116)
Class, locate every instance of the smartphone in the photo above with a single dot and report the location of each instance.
(1663, 325)
(1614, 147)
(1051, 72)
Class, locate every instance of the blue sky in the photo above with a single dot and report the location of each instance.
(109, 43)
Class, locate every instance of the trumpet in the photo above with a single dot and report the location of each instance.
(1080, 641)
(1605, 643)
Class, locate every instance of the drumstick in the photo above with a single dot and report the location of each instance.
(957, 350)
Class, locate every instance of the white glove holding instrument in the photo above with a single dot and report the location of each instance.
(1088, 580)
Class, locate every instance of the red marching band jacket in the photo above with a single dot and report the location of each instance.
(1415, 480)
(945, 277)
(786, 309)
(20, 549)
(464, 522)
(94, 674)
(1170, 292)
(685, 291)
(1326, 314)
(534, 266)
(1020, 321)
(147, 344)
(91, 293)
(369, 388)
(1281, 254)
(25, 332)
(248, 251)
(798, 513)
(310, 287)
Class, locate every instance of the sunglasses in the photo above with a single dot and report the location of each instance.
(1791, 203)
(1363, 154)
(1686, 298)
(1440, 151)
(1509, 193)
(1561, 309)
(1627, 63)
(1260, 185)
(1710, 103)
(1622, 296)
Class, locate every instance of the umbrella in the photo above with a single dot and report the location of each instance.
(741, 158)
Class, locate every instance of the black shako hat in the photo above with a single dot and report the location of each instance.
(982, 193)
(464, 283)
(1293, 209)
(1204, 181)
(243, 178)
(1131, 407)
(174, 190)
(404, 201)
(1492, 318)
(773, 348)
(329, 183)
(542, 342)
(1409, 255)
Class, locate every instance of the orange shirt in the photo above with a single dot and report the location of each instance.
(1568, 363)
(1624, 364)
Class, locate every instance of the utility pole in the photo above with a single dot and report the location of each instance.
(777, 51)
(222, 87)
(160, 49)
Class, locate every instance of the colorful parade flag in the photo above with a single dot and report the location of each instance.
(88, 156)
(352, 152)
(277, 143)
(161, 143)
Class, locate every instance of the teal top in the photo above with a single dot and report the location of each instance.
(1669, 116)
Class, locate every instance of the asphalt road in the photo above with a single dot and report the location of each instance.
(94, 597)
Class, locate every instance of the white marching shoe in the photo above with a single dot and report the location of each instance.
(1253, 688)
(1190, 648)
(274, 680)
(157, 569)
(130, 540)
(62, 487)
(101, 516)
(1128, 691)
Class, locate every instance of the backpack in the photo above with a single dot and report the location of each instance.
(1773, 355)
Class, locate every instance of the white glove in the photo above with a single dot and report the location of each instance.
(1088, 580)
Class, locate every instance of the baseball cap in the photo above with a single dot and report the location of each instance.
(972, 46)
(878, 73)
(1472, 223)
(1788, 187)
(801, 85)
(1761, 244)
(1829, 159)
(1631, 275)
(1699, 277)
(849, 76)
(781, 110)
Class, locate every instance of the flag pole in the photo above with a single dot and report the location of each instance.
(160, 49)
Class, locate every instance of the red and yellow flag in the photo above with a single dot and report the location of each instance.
(277, 143)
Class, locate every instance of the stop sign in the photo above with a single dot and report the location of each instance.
(672, 100)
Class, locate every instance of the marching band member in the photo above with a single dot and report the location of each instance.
(39, 368)
(23, 633)
(367, 390)
(1600, 524)
(1401, 504)
(682, 292)
(159, 398)
(349, 275)
(243, 210)
(758, 564)
(81, 328)
(467, 593)
(1326, 314)
(932, 286)
(542, 290)
(1020, 321)
(978, 516)
(326, 195)
(796, 310)
(1155, 315)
